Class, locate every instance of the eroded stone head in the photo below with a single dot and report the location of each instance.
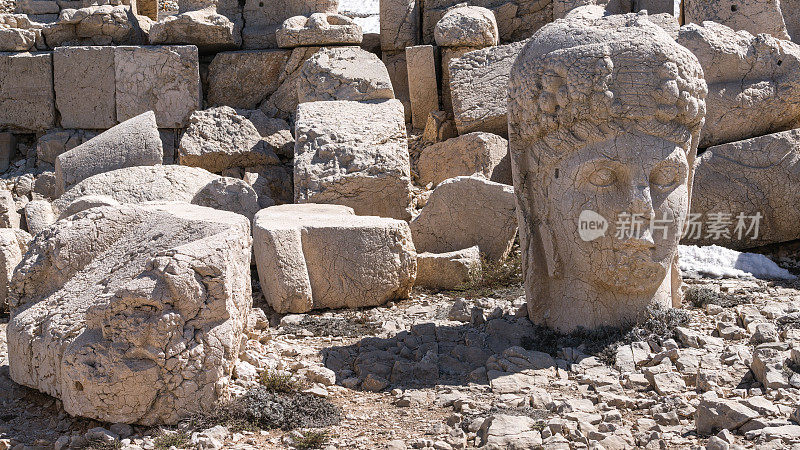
(604, 119)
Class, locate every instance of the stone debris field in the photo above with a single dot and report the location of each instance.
(399, 224)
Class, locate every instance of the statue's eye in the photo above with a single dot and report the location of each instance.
(602, 177)
(665, 175)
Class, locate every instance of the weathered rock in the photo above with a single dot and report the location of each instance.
(473, 153)
(13, 244)
(423, 89)
(209, 31)
(791, 17)
(344, 73)
(135, 142)
(753, 82)
(284, 100)
(397, 66)
(273, 184)
(467, 26)
(85, 87)
(753, 16)
(9, 216)
(439, 128)
(244, 79)
(87, 202)
(299, 249)
(276, 132)
(742, 180)
(574, 156)
(262, 19)
(38, 216)
(8, 147)
(164, 79)
(399, 22)
(354, 154)
(58, 141)
(160, 184)
(26, 91)
(503, 431)
(449, 270)
(95, 25)
(713, 415)
(666, 383)
(151, 300)
(517, 20)
(459, 212)
(17, 33)
(448, 55)
(219, 138)
(317, 30)
(768, 367)
(478, 85)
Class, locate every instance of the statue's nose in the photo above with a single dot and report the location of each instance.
(641, 201)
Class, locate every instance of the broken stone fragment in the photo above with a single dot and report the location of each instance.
(753, 16)
(38, 216)
(467, 26)
(423, 89)
(318, 29)
(459, 212)
(209, 31)
(715, 414)
(95, 25)
(151, 302)
(135, 142)
(243, 79)
(26, 91)
(449, 270)
(13, 244)
(18, 33)
(354, 154)
(344, 73)
(263, 18)
(300, 248)
(480, 153)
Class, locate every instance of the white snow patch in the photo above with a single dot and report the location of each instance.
(721, 262)
(366, 13)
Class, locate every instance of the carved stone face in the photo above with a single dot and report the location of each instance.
(604, 119)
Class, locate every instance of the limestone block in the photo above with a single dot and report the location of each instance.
(423, 88)
(318, 29)
(467, 26)
(460, 211)
(58, 141)
(284, 100)
(754, 176)
(38, 216)
(9, 214)
(753, 82)
(164, 79)
(353, 154)
(753, 16)
(791, 17)
(151, 303)
(8, 147)
(480, 153)
(244, 79)
(148, 8)
(85, 87)
(451, 270)
(344, 73)
(439, 128)
(398, 72)
(299, 249)
(38, 7)
(160, 184)
(219, 139)
(276, 132)
(273, 184)
(26, 91)
(18, 33)
(13, 244)
(400, 21)
(95, 25)
(263, 18)
(209, 31)
(517, 20)
(653, 7)
(478, 85)
(449, 54)
(135, 142)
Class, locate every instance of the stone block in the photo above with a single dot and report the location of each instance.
(85, 86)
(8, 147)
(398, 72)
(423, 88)
(26, 91)
(480, 153)
(344, 73)
(753, 16)
(244, 79)
(450, 270)
(318, 29)
(400, 21)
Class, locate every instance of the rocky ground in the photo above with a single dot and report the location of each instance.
(463, 369)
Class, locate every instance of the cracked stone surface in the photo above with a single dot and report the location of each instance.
(244, 79)
(13, 244)
(450, 270)
(753, 16)
(95, 25)
(164, 79)
(353, 154)
(753, 82)
(517, 20)
(135, 142)
(466, 211)
(283, 102)
(315, 256)
(208, 30)
(318, 29)
(472, 153)
(138, 324)
(344, 73)
(219, 138)
(756, 175)
(85, 87)
(399, 22)
(467, 26)
(170, 183)
(263, 18)
(478, 85)
(624, 141)
(26, 91)
(18, 33)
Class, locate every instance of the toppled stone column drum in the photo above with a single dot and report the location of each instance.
(604, 121)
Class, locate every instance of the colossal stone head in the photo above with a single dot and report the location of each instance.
(604, 120)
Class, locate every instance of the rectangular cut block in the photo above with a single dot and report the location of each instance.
(422, 88)
(85, 87)
(673, 7)
(263, 17)
(399, 23)
(449, 54)
(244, 79)
(791, 17)
(353, 154)
(164, 79)
(517, 20)
(479, 88)
(26, 91)
(8, 145)
(398, 72)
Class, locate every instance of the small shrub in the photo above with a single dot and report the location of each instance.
(167, 439)
(96, 444)
(311, 439)
(496, 275)
(276, 382)
(699, 297)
